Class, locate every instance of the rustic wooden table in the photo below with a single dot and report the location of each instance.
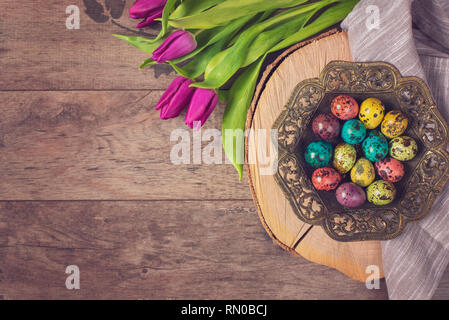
(86, 179)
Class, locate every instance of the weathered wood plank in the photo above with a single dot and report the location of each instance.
(155, 250)
(97, 145)
(42, 54)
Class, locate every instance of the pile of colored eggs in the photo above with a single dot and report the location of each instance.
(379, 155)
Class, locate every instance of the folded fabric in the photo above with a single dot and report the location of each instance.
(413, 36)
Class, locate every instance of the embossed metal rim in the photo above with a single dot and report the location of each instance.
(425, 182)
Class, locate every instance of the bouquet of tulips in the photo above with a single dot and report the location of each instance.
(222, 43)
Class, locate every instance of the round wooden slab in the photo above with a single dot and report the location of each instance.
(303, 61)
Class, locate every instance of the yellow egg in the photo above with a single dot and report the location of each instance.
(371, 112)
(363, 172)
(394, 124)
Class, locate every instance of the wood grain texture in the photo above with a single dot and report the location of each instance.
(42, 54)
(199, 250)
(299, 63)
(99, 145)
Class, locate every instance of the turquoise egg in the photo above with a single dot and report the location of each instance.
(353, 131)
(376, 133)
(375, 146)
(318, 154)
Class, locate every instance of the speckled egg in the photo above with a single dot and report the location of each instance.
(350, 195)
(363, 172)
(375, 146)
(344, 107)
(376, 133)
(390, 169)
(394, 124)
(326, 179)
(403, 148)
(381, 192)
(353, 131)
(371, 113)
(318, 153)
(326, 126)
(345, 156)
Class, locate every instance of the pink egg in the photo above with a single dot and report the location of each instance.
(350, 195)
(326, 126)
(390, 169)
(326, 179)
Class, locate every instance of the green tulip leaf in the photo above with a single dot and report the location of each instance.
(223, 95)
(229, 10)
(268, 39)
(327, 19)
(148, 62)
(144, 44)
(225, 64)
(168, 9)
(191, 7)
(197, 66)
(261, 17)
(209, 37)
(238, 101)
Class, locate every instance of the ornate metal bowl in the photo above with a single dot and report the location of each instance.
(425, 176)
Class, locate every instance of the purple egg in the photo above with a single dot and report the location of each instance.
(350, 195)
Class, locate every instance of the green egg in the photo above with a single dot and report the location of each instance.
(345, 156)
(403, 148)
(381, 192)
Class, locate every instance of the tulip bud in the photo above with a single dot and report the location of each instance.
(178, 44)
(149, 10)
(176, 98)
(201, 106)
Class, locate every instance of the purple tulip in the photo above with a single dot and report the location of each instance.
(201, 106)
(178, 44)
(149, 10)
(176, 98)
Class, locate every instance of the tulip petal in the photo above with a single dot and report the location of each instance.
(178, 44)
(179, 101)
(166, 44)
(201, 106)
(142, 8)
(170, 92)
(151, 18)
(209, 111)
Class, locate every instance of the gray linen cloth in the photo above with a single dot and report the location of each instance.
(413, 36)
